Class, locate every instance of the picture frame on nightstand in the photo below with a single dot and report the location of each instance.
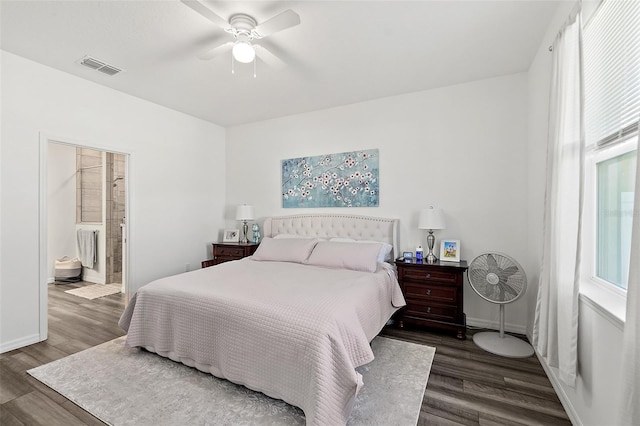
(450, 251)
(231, 236)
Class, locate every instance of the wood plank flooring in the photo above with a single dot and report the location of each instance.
(467, 385)
(75, 324)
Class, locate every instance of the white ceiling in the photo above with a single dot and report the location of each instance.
(342, 52)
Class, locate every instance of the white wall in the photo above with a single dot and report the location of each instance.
(462, 148)
(176, 180)
(61, 193)
(594, 399)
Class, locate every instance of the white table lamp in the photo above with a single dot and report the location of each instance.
(244, 213)
(430, 219)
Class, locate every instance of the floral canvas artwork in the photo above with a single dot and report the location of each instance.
(346, 179)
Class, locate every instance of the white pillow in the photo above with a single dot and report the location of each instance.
(285, 250)
(347, 255)
(383, 255)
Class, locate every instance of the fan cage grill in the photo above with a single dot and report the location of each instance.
(497, 278)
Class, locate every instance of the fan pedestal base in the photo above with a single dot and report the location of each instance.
(507, 346)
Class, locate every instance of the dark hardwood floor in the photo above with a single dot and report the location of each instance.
(75, 324)
(467, 385)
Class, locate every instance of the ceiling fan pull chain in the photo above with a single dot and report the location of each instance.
(233, 71)
(254, 68)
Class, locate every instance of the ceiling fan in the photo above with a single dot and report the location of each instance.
(245, 31)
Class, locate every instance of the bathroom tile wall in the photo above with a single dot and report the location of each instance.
(115, 211)
(117, 214)
(109, 176)
(89, 202)
(89, 186)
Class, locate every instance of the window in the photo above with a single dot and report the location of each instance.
(615, 180)
(612, 110)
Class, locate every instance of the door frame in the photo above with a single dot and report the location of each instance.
(43, 296)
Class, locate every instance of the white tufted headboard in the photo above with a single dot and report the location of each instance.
(335, 225)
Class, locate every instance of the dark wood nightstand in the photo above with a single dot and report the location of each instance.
(434, 295)
(224, 252)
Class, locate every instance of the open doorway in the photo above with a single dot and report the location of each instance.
(85, 210)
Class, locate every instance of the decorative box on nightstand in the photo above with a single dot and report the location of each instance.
(224, 252)
(433, 292)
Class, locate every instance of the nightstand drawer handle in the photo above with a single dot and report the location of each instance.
(429, 292)
(429, 310)
(428, 275)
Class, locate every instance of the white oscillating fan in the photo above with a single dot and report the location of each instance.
(499, 279)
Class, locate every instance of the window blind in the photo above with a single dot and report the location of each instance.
(612, 72)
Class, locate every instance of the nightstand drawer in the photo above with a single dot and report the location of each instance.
(434, 293)
(228, 251)
(427, 310)
(208, 263)
(420, 274)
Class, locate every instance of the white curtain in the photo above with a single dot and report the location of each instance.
(555, 332)
(630, 348)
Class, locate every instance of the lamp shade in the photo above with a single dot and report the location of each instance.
(244, 52)
(431, 218)
(244, 212)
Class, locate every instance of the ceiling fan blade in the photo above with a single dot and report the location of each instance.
(268, 57)
(282, 21)
(207, 13)
(212, 53)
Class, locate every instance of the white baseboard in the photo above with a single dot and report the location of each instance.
(562, 395)
(51, 280)
(19, 343)
(495, 325)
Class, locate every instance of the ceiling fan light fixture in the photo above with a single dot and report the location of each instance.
(243, 52)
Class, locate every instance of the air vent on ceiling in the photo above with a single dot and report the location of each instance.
(98, 65)
(109, 70)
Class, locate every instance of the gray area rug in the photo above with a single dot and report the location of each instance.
(124, 386)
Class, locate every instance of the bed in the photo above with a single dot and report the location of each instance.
(293, 321)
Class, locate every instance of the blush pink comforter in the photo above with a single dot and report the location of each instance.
(294, 332)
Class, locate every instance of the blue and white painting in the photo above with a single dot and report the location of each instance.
(347, 179)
